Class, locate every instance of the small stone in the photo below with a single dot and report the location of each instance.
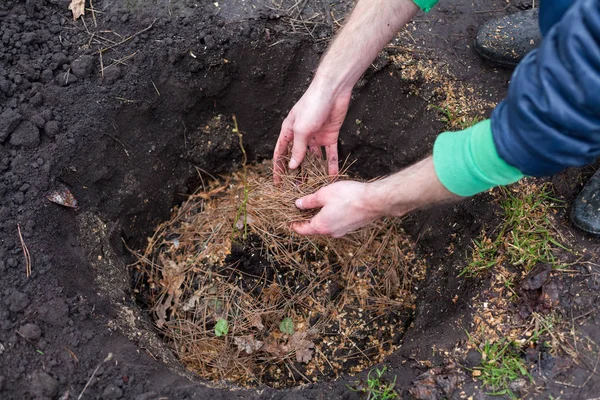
(52, 128)
(518, 385)
(82, 67)
(9, 120)
(30, 331)
(26, 135)
(43, 385)
(112, 392)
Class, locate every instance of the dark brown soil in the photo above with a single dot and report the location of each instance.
(127, 142)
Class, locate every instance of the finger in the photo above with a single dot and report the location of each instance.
(314, 148)
(304, 228)
(332, 159)
(281, 148)
(298, 151)
(311, 201)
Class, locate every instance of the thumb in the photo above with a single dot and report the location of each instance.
(298, 151)
(304, 228)
(310, 201)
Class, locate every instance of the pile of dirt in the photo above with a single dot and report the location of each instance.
(241, 298)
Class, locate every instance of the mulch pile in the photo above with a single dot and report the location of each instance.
(242, 298)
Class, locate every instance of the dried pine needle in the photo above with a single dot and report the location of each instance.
(196, 273)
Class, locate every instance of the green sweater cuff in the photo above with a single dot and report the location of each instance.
(467, 163)
(425, 5)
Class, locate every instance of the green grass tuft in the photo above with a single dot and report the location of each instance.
(455, 118)
(527, 235)
(376, 387)
(501, 363)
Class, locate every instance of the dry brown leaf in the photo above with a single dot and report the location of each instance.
(191, 303)
(63, 197)
(277, 349)
(77, 7)
(305, 354)
(247, 343)
(392, 281)
(173, 276)
(256, 321)
(303, 347)
(161, 311)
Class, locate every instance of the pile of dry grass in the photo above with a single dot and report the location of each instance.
(258, 315)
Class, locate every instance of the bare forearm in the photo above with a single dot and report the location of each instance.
(412, 188)
(347, 205)
(372, 24)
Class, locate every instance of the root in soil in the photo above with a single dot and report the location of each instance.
(242, 298)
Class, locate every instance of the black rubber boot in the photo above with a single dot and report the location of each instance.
(505, 41)
(585, 213)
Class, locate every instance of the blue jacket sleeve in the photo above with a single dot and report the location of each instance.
(550, 119)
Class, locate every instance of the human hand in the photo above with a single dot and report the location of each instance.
(313, 122)
(345, 207)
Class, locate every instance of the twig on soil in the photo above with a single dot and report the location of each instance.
(108, 358)
(101, 65)
(569, 384)
(242, 211)
(118, 141)
(301, 374)
(276, 43)
(67, 74)
(72, 354)
(122, 60)
(128, 38)
(25, 252)
(124, 100)
(155, 88)
(93, 13)
(337, 21)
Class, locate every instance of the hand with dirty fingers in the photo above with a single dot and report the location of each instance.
(314, 121)
(348, 205)
(344, 208)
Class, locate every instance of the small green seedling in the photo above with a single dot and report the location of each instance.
(287, 326)
(377, 388)
(221, 327)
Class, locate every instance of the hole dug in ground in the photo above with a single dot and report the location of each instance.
(241, 298)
